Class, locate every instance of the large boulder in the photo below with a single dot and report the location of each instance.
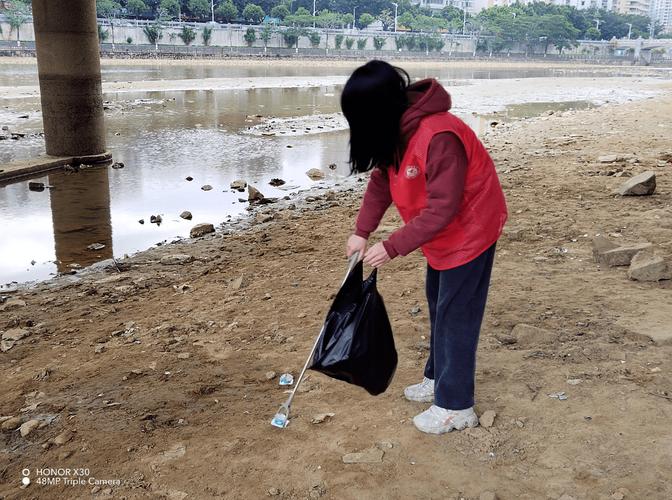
(608, 253)
(646, 266)
(239, 185)
(253, 194)
(640, 185)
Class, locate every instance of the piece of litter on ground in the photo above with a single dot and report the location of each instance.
(286, 379)
(558, 395)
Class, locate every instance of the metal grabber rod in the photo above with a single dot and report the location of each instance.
(282, 416)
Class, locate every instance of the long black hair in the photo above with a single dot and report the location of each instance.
(373, 100)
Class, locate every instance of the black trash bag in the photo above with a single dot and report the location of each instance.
(357, 345)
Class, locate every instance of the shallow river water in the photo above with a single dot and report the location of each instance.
(163, 137)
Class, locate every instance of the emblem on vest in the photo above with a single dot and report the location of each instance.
(412, 172)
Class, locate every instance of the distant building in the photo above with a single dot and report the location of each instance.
(661, 11)
(636, 7)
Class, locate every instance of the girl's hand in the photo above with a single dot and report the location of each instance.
(376, 256)
(355, 244)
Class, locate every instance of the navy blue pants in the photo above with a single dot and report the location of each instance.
(456, 300)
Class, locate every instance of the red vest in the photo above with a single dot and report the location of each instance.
(482, 214)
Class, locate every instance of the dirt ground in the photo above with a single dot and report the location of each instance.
(164, 386)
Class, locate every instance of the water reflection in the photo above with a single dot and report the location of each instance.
(80, 210)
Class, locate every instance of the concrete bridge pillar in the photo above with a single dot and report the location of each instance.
(68, 62)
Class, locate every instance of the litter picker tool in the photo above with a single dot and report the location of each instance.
(281, 418)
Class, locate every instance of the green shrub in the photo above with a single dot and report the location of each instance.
(250, 36)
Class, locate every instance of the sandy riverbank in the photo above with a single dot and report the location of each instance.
(164, 386)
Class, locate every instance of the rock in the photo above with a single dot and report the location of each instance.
(201, 230)
(12, 304)
(602, 245)
(610, 158)
(487, 419)
(184, 355)
(506, 339)
(514, 233)
(141, 221)
(565, 496)
(253, 194)
(117, 165)
(321, 417)
(528, 335)
(156, 219)
(621, 255)
(63, 437)
(36, 186)
(277, 182)
(11, 424)
(239, 185)
(95, 246)
(206, 187)
(643, 184)
(574, 381)
(237, 283)
(189, 178)
(186, 215)
(620, 494)
(488, 495)
(6, 345)
(274, 492)
(315, 174)
(99, 349)
(370, 456)
(176, 259)
(646, 266)
(28, 427)
(333, 166)
(15, 334)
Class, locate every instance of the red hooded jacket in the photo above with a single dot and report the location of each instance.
(445, 167)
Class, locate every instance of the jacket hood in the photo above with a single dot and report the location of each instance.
(425, 97)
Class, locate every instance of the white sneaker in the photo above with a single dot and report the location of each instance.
(422, 392)
(437, 420)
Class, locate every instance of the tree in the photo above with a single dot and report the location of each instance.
(250, 36)
(200, 9)
(170, 8)
(593, 33)
(379, 42)
(400, 42)
(187, 35)
(129, 40)
(108, 9)
(207, 35)
(348, 19)
(314, 38)
(338, 40)
(329, 20)
(253, 13)
(300, 18)
(226, 11)
(154, 33)
(292, 35)
(136, 8)
(266, 33)
(280, 11)
(103, 34)
(361, 43)
(387, 19)
(406, 20)
(348, 42)
(366, 19)
(16, 14)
